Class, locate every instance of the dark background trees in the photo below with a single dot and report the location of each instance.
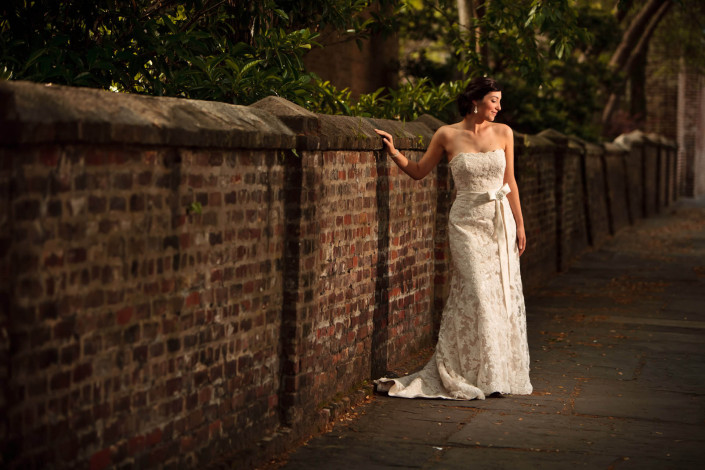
(573, 65)
(225, 50)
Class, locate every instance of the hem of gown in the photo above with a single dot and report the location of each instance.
(394, 388)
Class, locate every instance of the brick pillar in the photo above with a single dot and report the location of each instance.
(596, 194)
(5, 293)
(571, 228)
(534, 158)
(616, 179)
(650, 177)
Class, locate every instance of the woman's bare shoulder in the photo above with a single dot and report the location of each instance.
(502, 129)
(450, 128)
(447, 132)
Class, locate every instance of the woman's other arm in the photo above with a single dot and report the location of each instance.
(513, 196)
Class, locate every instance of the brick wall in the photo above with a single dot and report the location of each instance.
(363, 69)
(596, 194)
(615, 169)
(676, 110)
(662, 88)
(635, 177)
(571, 206)
(672, 180)
(535, 173)
(690, 129)
(136, 327)
(5, 294)
(662, 167)
(650, 177)
(191, 282)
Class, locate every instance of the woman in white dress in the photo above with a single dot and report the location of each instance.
(482, 348)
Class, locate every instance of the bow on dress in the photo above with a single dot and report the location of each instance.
(500, 224)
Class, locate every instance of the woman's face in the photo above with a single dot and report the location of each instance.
(489, 106)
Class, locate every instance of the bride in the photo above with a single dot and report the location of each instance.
(482, 348)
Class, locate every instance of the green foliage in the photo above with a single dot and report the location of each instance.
(511, 36)
(551, 55)
(547, 55)
(527, 44)
(230, 51)
(408, 102)
(682, 35)
(412, 100)
(194, 208)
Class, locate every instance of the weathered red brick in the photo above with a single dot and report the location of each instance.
(173, 385)
(136, 445)
(124, 315)
(82, 372)
(100, 460)
(153, 438)
(205, 394)
(193, 299)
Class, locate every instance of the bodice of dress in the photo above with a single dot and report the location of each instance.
(482, 171)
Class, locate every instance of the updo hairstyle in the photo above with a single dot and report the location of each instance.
(476, 90)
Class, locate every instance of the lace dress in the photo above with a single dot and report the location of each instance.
(482, 346)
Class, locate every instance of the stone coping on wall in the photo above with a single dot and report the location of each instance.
(31, 112)
(637, 137)
(621, 145)
(662, 140)
(562, 139)
(531, 142)
(38, 113)
(335, 132)
(614, 148)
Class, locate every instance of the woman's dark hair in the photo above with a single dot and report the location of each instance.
(476, 90)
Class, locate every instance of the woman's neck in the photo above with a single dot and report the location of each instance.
(474, 123)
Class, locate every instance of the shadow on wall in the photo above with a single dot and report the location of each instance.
(191, 282)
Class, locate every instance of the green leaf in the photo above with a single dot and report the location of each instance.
(281, 14)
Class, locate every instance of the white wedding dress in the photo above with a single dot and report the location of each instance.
(482, 346)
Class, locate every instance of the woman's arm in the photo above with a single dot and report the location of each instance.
(430, 159)
(513, 196)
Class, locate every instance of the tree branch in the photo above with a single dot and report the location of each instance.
(206, 9)
(643, 43)
(634, 32)
(623, 7)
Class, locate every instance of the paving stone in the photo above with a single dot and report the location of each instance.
(517, 459)
(618, 368)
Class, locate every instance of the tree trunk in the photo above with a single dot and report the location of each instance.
(637, 88)
(634, 43)
(479, 9)
(464, 14)
(470, 13)
(643, 43)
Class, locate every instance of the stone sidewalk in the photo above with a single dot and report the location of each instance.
(618, 367)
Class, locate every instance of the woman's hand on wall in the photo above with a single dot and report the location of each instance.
(387, 140)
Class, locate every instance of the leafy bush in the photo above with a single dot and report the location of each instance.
(230, 51)
(408, 102)
(239, 52)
